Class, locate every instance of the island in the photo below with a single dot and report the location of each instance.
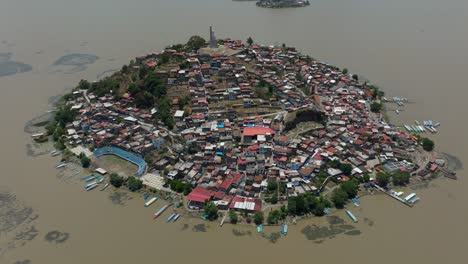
(282, 3)
(227, 129)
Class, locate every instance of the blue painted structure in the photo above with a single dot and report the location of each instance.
(128, 156)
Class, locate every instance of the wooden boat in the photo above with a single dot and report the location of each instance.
(91, 183)
(169, 218)
(176, 217)
(105, 186)
(90, 178)
(152, 200)
(92, 187)
(61, 165)
(284, 229)
(160, 211)
(100, 178)
(355, 220)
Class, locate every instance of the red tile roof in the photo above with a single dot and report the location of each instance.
(200, 195)
(254, 131)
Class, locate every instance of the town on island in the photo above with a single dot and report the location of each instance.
(239, 132)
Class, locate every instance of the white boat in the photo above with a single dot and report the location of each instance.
(61, 165)
(90, 184)
(92, 187)
(152, 200)
(409, 197)
(105, 186)
(176, 217)
(436, 124)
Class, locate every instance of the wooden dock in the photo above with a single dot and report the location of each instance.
(393, 196)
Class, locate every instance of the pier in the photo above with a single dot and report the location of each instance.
(394, 196)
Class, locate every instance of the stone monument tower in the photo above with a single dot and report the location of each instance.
(213, 42)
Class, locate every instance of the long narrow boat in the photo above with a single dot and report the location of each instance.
(284, 229)
(105, 186)
(61, 165)
(92, 187)
(91, 183)
(152, 200)
(351, 216)
(260, 228)
(176, 217)
(160, 211)
(100, 178)
(90, 178)
(169, 218)
(356, 201)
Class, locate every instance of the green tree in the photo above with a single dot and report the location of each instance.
(84, 84)
(365, 178)
(258, 218)
(134, 184)
(339, 197)
(165, 57)
(250, 41)
(350, 188)
(274, 199)
(211, 211)
(273, 217)
(401, 177)
(382, 179)
(144, 100)
(196, 42)
(376, 107)
(116, 180)
(233, 217)
(272, 186)
(85, 161)
(428, 144)
(345, 71)
(346, 168)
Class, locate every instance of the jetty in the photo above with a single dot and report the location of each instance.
(395, 196)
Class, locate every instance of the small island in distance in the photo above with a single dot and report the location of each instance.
(282, 3)
(278, 3)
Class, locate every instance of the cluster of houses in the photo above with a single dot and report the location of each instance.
(104, 121)
(230, 158)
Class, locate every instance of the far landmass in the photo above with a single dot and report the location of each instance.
(282, 3)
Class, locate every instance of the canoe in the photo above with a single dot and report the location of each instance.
(160, 211)
(92, 187)
(284, 229)
(152, 200)
(351, 216)
(169, 218)
(105, 186)
(176, 217)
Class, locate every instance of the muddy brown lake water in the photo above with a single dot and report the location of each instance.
(415, 49)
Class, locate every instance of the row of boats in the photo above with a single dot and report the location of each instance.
(93, 181)
(173, 217)
(426, 126)
(410, 199)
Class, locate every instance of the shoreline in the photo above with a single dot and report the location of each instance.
(383, 113)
